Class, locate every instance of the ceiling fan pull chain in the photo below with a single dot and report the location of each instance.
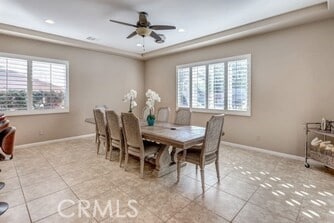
(143, 44)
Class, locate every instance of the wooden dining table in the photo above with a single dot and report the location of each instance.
(168, 134)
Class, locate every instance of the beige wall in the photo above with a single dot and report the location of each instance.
(292, 83)
(95, 78)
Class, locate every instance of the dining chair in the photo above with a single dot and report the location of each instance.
(4, 124)
(2, 117)
(163, 114)
(102, 131)
(134, 143)
(207, 152)
(7, 139)
(103, 108)
(146, 112)
(115, 134)
(183, 116)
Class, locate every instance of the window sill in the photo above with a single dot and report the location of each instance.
(24, 113)
(213, 111)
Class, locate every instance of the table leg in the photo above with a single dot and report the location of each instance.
(163, 162)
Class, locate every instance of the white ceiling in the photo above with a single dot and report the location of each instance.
(79, 19)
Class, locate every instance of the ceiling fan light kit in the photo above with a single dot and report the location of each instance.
(144, 28)
(143, 31)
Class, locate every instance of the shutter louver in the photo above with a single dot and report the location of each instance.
(238, 85)
(199, 87)
(216, 86)
(48, 85)
(13, 84)
(183, 87)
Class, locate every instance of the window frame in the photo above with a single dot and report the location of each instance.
(215, 61)
(29, 110)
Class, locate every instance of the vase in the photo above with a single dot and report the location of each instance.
(150, 120)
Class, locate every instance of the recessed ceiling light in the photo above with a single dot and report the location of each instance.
(91, 38)
(181, 30)
(139, 45)
(50, 21)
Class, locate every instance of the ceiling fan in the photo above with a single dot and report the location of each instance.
(144, 28)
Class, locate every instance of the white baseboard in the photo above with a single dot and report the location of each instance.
(53, 141)
(285, 155)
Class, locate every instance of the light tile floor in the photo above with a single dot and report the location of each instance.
(254, 187)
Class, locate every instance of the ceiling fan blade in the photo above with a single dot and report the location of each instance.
(123, 23)
(162, 27)
(132, 35)
(155, 36)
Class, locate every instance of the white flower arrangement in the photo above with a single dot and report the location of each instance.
(152, 97)
(130, 97)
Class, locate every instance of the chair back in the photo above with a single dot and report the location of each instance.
(105, 107)
(7, 139)
(213, 133)
(183, 116)
(131, 131)
(100, 122)
(146, 112)
(2, 117)
(113, 123)
(4, 124)
(163, 114)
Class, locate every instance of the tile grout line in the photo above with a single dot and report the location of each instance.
(59, 190)
(257, 204)
(69, 188)
(102, 193)
(53, 167)
(192, 201)
(25, 201)
(247, 201)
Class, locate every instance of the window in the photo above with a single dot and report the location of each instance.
(30, 85)
(216, 86)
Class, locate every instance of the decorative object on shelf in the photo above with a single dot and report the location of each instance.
(316, 141)
(322, 149)
(323, 124)
(322, 145)
(327, 125)
(130, 97)
(152, 97)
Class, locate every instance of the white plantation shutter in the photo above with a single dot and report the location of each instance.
(216, 86)
(48, 85)
(238, 85)
(13, 84)
(183, 87)
(198, 76)
(31, 85)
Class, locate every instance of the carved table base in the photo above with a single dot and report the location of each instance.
(164, 163)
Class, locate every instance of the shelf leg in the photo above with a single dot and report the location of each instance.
(306, 146)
